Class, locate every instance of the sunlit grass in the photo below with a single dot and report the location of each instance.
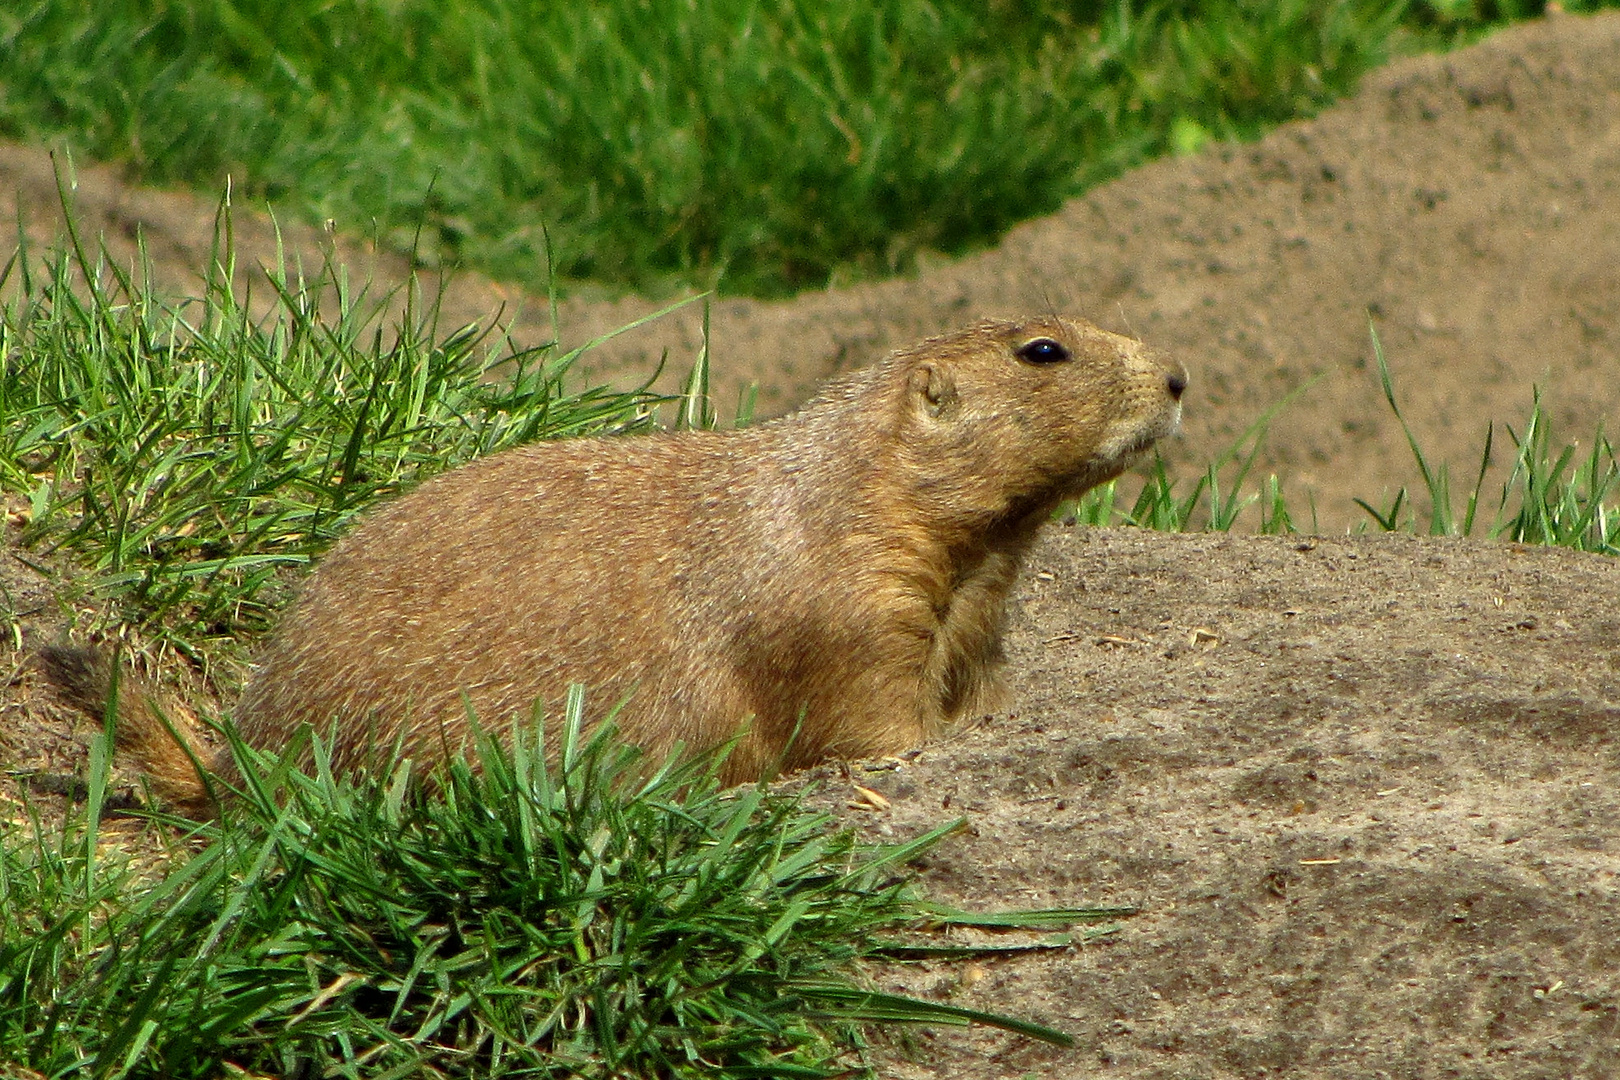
(186, 454)
(769, 146)
(599, 917)
(1553, 494)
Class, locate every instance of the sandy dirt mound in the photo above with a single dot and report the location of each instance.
(1470, 204)
(1363, 790)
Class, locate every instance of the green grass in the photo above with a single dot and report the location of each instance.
(598, 918)
(185, 455)
(769, 146)
(1553, 494)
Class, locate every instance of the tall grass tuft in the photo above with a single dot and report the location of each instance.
(597, 917)
(1217, 498)
(187, 453)
(1552, 495)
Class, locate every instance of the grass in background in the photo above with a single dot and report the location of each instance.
(586, 919)
(765, 145)
(1554, 494)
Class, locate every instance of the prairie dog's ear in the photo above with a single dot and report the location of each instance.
(934, 388)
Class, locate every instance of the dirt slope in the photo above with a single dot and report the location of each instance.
(1470, 203)
(1364, 791)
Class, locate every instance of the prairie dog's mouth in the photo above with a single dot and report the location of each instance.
(1126, 446)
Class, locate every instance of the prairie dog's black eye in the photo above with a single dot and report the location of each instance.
(1043, 350)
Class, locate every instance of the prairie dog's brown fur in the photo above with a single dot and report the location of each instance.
(848, 565)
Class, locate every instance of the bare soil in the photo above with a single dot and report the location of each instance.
(1364, 790)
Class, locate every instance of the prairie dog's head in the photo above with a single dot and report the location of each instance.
(1034, 410)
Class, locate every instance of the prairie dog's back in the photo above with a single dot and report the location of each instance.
(593, 561)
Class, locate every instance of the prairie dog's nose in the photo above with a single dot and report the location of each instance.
(1176, 382)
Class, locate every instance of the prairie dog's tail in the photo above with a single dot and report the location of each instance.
(84, 679)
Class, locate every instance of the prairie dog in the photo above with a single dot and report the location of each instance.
(840, 573)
